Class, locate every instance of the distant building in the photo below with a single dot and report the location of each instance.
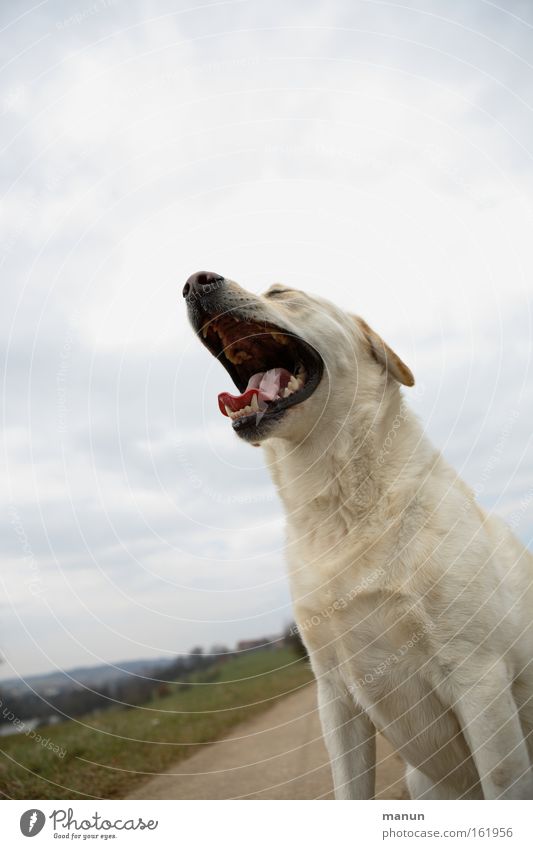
(261, 643)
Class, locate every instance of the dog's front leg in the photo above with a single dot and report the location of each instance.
(487, 712)
(350, 739)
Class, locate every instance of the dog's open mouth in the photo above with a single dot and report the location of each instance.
(272, 368)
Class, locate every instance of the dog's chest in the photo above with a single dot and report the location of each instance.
(373, 634)
(331, 581)
(380, 649)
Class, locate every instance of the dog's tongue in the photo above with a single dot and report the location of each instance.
(266, 385)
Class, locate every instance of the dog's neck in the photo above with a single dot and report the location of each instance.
(346, 477)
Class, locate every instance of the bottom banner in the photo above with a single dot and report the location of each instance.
(261, 824)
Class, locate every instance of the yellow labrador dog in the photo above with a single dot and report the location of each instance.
(415, 606)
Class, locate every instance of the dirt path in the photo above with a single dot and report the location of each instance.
(278, 755)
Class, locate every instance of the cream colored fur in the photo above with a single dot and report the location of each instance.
(415, 606)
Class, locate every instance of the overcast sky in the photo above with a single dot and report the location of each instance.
(379, 153)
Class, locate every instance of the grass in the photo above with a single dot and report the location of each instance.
(108, 752)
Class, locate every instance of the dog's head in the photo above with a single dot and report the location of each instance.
(293, 358)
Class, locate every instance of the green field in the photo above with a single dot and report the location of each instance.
(108, 752)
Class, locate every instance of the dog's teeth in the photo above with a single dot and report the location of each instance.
(244, 411)
(229, 411)
(293, 384)
(255, 404)
(286, 392)
(237, 357)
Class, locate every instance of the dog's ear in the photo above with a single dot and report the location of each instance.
(384, 355)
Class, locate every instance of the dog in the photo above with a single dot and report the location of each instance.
(415, 606)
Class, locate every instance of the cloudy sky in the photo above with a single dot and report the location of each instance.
(376, 152)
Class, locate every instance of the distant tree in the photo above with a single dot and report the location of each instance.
(174, 670)
(292, 640)
(218, 650)
(197, 659)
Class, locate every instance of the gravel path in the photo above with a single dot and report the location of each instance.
(277, 755)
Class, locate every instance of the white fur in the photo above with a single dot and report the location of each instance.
(415, 606)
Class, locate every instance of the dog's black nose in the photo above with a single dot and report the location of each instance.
(202, 283)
